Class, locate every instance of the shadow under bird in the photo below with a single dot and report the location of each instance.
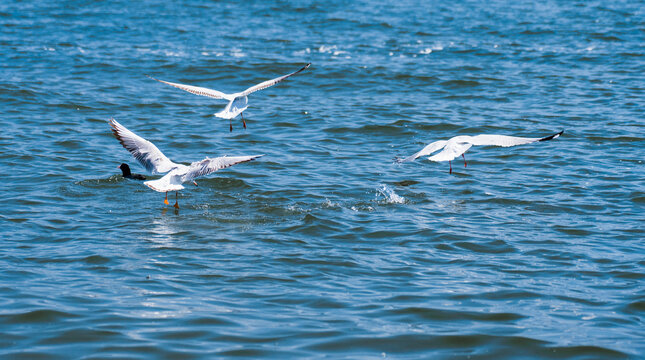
(156, 162)
(458, 145)
(127, 173)
(237, 102)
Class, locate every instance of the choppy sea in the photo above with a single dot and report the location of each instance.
(326, 247)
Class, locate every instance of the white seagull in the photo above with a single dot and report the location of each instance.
(157, 163)
(237, 102)
(458, 145)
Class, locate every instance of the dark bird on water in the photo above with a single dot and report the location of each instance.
(129, 175)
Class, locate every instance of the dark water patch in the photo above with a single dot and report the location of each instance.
(459, 84)
(573, 231)
(303, 261)
(406, 183)
(37, 316)
(178, 335)
(16, 220)
(32, 355)
(537, 32)
(580, 300)
(500, 295)
(310, 303)
(605, 37)
(634, 308)
(209, 321)
(628, 275)
(415, 314)
(127, 351)
(411, 344)
(82, 336)
(252, 353)
(383, 234)
(493, 247)
(555, 255)
(254, 279)
(248, 339)
(638, 197)
(96, 260)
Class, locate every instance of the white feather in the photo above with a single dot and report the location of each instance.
(238, 102)
(458, 145)
(156, 162)
(143, 150)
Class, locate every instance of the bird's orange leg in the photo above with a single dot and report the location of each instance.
(464, 156)
(243, 121)
(165, 201)
(450, 163)
(176, 202)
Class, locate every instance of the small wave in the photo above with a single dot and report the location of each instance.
(330, 204)
(99, 183)
(327, 49)
(430, 49)
(238, 53)
(390, 196)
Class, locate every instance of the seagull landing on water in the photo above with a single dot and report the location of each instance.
(157, 163)
(458, 145)
(237, 102)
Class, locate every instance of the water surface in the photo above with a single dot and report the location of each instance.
(325, 247)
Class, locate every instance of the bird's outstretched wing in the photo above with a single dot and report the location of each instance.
(197, 90)
(266, 84)
(506, 141)
(143, 150)
(429, 149)
(208, 166)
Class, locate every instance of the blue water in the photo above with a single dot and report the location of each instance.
(325, 247)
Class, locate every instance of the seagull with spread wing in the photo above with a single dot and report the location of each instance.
(458, 145)
(237, 102)
(156, 162)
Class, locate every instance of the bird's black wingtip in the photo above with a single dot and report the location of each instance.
(551, 137)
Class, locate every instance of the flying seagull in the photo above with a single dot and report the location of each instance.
(157, 163)
(237, 102)
(458, 145)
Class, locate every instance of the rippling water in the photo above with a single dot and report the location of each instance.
(326, 246)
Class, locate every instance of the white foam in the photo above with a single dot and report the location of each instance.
(237, 53)
(390, 196)
(329, 204)
(327, 49)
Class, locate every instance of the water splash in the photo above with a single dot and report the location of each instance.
(390, 196)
